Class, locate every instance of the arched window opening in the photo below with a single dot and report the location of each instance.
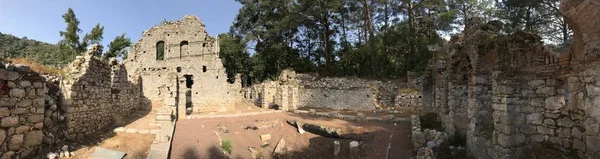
(160, 50)
(184, 49)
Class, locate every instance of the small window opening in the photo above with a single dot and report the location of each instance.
(160, 50)
(178, 69)
(203, 68)
(184, 48)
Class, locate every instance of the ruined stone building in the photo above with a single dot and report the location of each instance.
(508, 94)
(179, 62)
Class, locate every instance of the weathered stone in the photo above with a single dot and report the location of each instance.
(25, 103)
(592, 143)
(38, 85)
(9, 121)
(537, 138)
(549, 122)
(38, 102)
(554, 103)
(17, 92)
(510, 140)
(2, 135)
(265, 137)
(554, 140)
(545, 130)
(22, 68)
(534, 118)
(22, 129)
(548, 91)
(8, 154)
(34, 138)
(564, 132)
(576, 133)
(8, 75)
(566, 122)
(578, 145)
(15, 142)
(592, 90)
(536, 83)
(527, 129)
(35, 118)
(500, 107)
(25, 84)
(19, 111)
(506, 129)
(4, 111)
(336, 148)
(38, 126)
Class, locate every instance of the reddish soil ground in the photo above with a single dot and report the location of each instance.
(201, 138)
(136, 146)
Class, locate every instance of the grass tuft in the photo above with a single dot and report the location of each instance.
(226, 145)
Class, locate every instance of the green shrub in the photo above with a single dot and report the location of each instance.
(226, 145)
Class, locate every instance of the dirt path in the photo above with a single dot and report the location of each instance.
(199, 138)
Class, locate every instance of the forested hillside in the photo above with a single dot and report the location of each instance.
(13, 47)
(73, 44)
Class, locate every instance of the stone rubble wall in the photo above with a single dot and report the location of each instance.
(508, 93)
(22, 99)
(97, 95)
(292, 91)
(425, 141)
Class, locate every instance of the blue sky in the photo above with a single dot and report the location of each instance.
(41, 19)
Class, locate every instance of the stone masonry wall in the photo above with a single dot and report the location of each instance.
(190, 70)
(22, 94)
(521, 95)
(292, 91)
(98, 95)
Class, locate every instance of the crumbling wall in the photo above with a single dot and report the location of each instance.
(521, 95)
(189, 69)
(292, 91)
(97, 95)
(22, 96)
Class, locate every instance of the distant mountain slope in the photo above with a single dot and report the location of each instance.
(44, 53)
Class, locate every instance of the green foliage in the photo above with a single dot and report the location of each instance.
(226, 145)
(14, 47)
(117, 48)
(234, 56)
(338, 37)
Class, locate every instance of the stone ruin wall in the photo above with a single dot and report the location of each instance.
(292, 91)
(98, 95)
(22, 99)
(40, 113)
(188, 50)
(508, 94)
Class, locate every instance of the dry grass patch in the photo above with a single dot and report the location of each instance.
(37, 67)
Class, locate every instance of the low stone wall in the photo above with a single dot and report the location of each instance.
(292, 91)
(22, 96)
(427, 140)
